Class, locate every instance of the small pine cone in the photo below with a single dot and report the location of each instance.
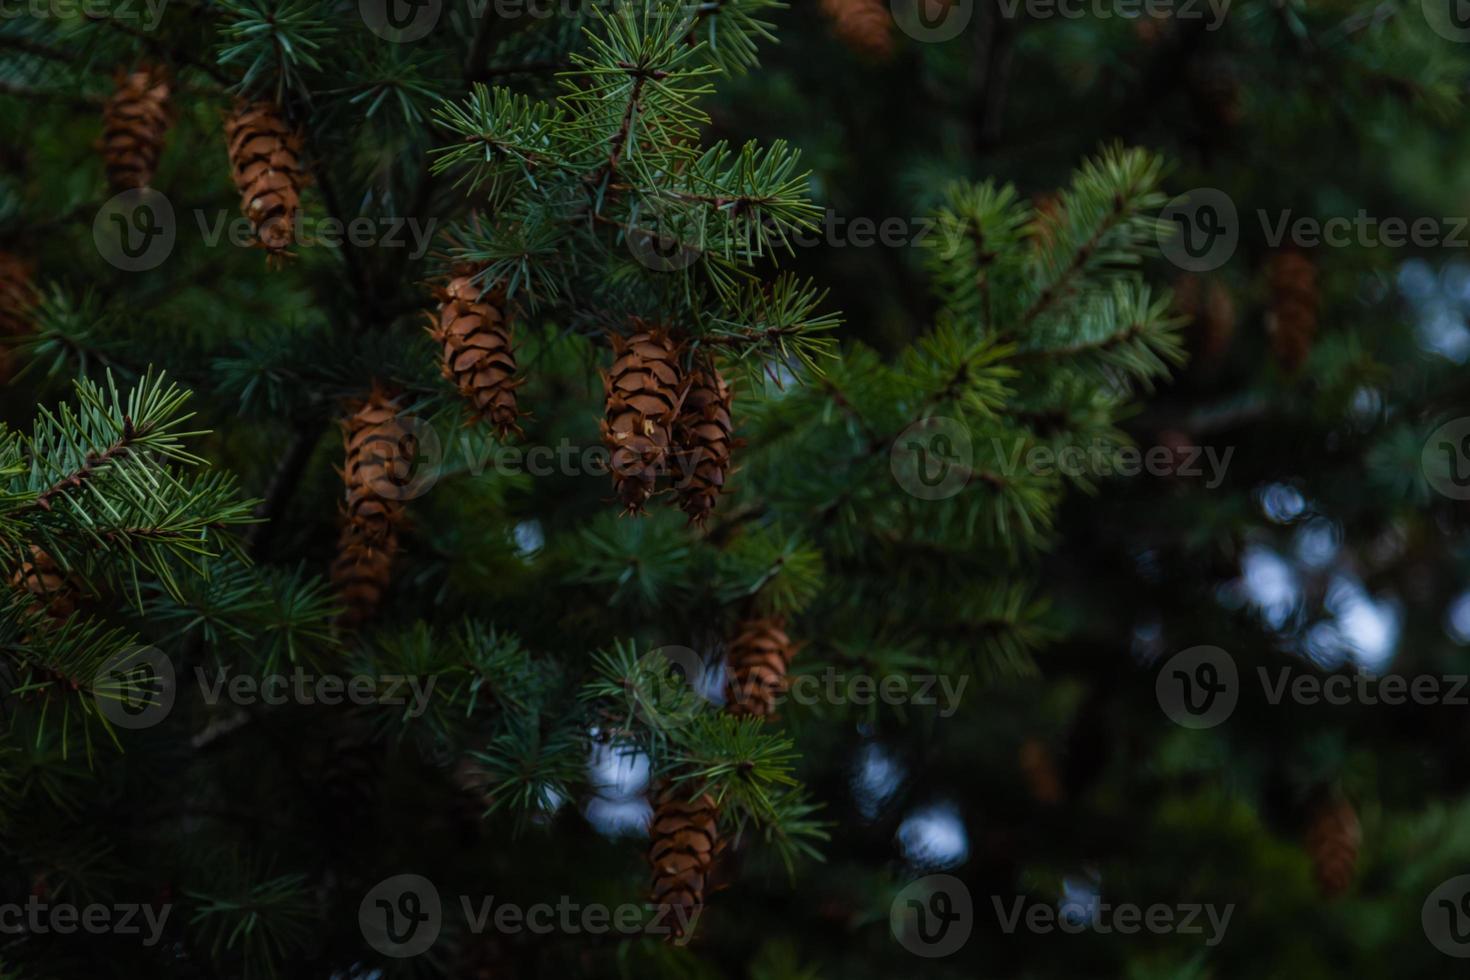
(134, 123)
(40, 576)
(1333, 839)
(474, 331)
(644, 390)
(1039, 770)
(17, 299)
(757, 664)
(1211, 310)
(863, 25)
(685, 843)
(265, 161)
(1292, 321)
(378, 458)
(704, 440)
(1046, 220)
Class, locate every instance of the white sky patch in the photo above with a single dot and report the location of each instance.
(934, 837)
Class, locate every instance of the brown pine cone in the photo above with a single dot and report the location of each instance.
(644, 390)
(474, 331)
(863, 25)
(17, 299)
(685, 843)
(1292, 320)
(40, 576)
(265, 161)
(134, 123)
(757, 663)
(1333, 839)
(1039, 770)
(1211, 310)
(379, 458)
(702, 434)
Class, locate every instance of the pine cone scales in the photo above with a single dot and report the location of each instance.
(265, 160)
(1211, 310)
(134, 123)
(685, 843)
(644, 391)
(43, 578)
(1292, 322)
(704, 439)
(864, 25)
(378, 457)
(478, 357)
(758, 660)
(1333, 840)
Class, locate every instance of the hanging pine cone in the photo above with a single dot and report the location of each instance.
(703, 437)
(1039, 770)
(1211, 311)
(39, 575)
(685, 843)
(1213, 84)
(863, 25)
(757, 663)
(644, 391)
(134, 122)
(265, 161)
(1292, 321)
(17, 299)
(474, 331)
(1333, 839)
(379, 457)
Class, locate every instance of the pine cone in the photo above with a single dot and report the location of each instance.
(863, 25)
(1292, 321)
(40, 576)
(644, 391)
(378, 459)
(265, 161)
(1039, 770)
(702, 434)
(685, 843)
(1333, 839)
(757, 663)
(474, 331)
(1211, 310)
(134, 122)
(17, 299)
